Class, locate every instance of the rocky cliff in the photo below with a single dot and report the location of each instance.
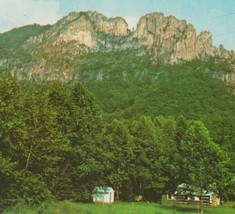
(172, 40)
(54, 53)
(83, 28)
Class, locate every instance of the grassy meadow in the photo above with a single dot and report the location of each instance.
(67, 207)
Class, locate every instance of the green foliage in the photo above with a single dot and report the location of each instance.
(11, 41)
(29, 188)
(47, 130)
(203, 163)
(6, 177)
(121, 146)
(126, 86)
(54, 145)
(231, 189)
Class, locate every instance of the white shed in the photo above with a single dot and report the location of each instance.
(103, 194)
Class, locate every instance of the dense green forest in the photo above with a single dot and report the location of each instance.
(133, 85)
(55, 145)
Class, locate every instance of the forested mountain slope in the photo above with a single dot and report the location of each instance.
(127, 86)
(89, 102)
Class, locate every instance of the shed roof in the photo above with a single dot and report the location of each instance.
(103, 189)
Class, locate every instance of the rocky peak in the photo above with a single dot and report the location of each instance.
(172, 40)
(83, 28)
(203, 46)
(166, 38)
(114, 26)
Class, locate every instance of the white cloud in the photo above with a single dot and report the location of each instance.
(131, 21)
(15, 13)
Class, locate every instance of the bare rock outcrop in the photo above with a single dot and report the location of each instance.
(169, 40)
(204, 47)
(82, 28)
(172, 40)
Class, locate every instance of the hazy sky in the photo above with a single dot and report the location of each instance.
(216, 16)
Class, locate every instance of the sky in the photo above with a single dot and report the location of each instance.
(215, 16)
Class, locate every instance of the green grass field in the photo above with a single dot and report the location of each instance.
(116, 208)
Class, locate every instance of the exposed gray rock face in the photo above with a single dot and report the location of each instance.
(83, 28)
(172, 40)
(169, 40)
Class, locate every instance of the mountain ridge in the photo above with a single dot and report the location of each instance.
(53, 53)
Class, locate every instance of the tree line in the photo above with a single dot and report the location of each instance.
(55, 146)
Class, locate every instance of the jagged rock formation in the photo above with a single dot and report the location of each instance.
(55, 52)
(171, 40)
(82, 28)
